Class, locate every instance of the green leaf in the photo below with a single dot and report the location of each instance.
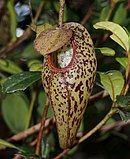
(68, 12)
(116, 1)
(81, 127)
(41, 103)
(13, 18)
(106, 51)
(120, 135)
(45, 149)
(29, 51)
(123, 61)
(15, 112)
(47, 146)
(120, 15)
(35, 65)
(4, 144)
(73, 150)
(20, 81)
(119, 34)
(110, 121)
(2, 80)
(123, 100)
(104, 13)
(40, 28)
(125, 116)
(28, 151)
(113, 82)
(9, 66)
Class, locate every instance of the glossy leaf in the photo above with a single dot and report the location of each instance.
(123, 61)
(4, 144)
(113, 82)
(9, 66)
(106, 51)
(15, 112)
(119, 35)
(20, 81)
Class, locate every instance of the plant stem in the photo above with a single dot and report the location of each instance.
(61, 154)
(26, 34)
(87, 15)
(127, 75)
(105, 36)
(24, 134)
(30, 8)
(30, 110)
(97, 96)
(38, 147)
(112, 5)
(91, 132)
(61, 12)
(99, 125)
(109, 14)
(35, 128)
(39, 10)
(13, 22)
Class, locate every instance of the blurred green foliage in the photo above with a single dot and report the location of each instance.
(20, 71)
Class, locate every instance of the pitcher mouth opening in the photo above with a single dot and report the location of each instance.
(63, 58)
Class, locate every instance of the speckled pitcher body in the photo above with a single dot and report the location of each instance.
(68, 80)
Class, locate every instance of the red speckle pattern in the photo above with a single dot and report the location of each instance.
(69, 88)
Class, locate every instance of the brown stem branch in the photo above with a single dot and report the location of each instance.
(39, 10)
(97, 96)
(19, 156)
(88, 134)
(102, 38)
(87, 15)
(98, 126)
(41, 127)
(62, 154)
(36, 128)
(116, 125)
(14, 44)
(127, 75)
(61, 12)
(26, 34)
(103, 129)
(24, 134)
